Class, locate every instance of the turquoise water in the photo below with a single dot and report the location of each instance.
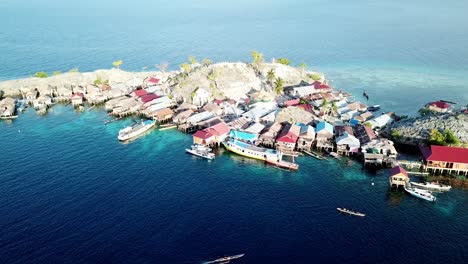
(71, 193)
(404, 54)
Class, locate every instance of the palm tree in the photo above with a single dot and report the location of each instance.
(117, 64)
(334, 107)
(303, 66)
(279, 85)
(192, 59)
(325, 105)
(270, 76)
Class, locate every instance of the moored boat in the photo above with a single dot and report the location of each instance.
(135, 130)
(420, 193)
(373, 108)
(351, 212)
(270, 156)
(201, 151)
(432, 186)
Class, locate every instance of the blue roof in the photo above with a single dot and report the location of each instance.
(324, 125)
(243, 135)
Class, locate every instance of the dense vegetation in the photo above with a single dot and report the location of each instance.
(443, 138)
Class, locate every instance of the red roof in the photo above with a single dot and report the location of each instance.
(306, 107)
(217, 101)
(153, 80)
(447, 154)
(140, 93)
(202, 134)
(319, 85)
(219, 129)
(439, 104)
(397, 170)
(292, 102)
(289, 134)
(78, 94)
(322, 86)
(370, 132)
(148, 97)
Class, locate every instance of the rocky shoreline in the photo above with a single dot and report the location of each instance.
(416, 131)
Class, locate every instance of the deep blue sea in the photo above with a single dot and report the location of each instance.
(71, 193)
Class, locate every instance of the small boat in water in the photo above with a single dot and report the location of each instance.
(373, 108)
(347, 211)
(432, 186)
(135, 130)
(420, 193)
(201, 151)
(225, 259)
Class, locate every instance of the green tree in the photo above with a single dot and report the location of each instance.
(55, 73)
(271, 76)
(450, 137)
(206, 62)
(334, 107)
(395, 134)
(74, 70)
(257, 57)
(192, 59)
(98, 81)
(283, 61)
(279, 85)
(368, 124)
(186, 67)
(41, 74)
(436, 137)
(117, 64)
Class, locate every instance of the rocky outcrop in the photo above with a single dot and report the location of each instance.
(294, 115)
(233, 80)
(416, 130)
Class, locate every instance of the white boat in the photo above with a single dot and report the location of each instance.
(420, 193)
(432, 186)
(135, 130)
(201, 151)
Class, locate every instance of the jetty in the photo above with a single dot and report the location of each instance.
(312, 154)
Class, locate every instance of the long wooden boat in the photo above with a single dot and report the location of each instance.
(270, 156)
(347, 211)
(314, 155)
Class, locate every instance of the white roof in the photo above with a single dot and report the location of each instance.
(304, 90)
(255, 128)
(199, 117)
(153, 89)
(381, 121)
(347, 139)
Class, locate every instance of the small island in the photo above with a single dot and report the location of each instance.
(268, 111)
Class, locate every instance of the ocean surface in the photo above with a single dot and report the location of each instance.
(71, 193)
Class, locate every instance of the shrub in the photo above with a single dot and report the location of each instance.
(315, 76)
(74, 70)
(117, 64)
(98, 81)
(41, 74)
(55, 73)
(395, 134)
(450, 138)
(425, 111)
(283, 61)
(368, 124)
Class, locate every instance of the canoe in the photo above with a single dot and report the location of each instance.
(347, 211)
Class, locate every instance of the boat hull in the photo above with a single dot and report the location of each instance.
(432, 187)
(250, 154)
(208, 156)
(428, 197)
(130, 135)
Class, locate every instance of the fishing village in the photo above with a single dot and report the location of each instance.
(271, 112)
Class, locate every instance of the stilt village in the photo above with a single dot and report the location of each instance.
(308, 118)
